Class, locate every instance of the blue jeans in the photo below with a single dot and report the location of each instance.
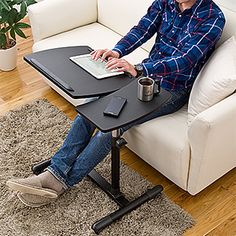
(82, 151)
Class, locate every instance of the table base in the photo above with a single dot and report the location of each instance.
(125, 205)
(113, 189)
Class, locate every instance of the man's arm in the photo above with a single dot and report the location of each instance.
(145, 29)
(199, 44)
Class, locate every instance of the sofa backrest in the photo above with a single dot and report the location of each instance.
(229, 9)
(217, 79)
(121, 15)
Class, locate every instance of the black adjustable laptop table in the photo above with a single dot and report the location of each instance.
(77, 83)
(133, 110)
(56, 66)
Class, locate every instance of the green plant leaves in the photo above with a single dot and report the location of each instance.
(18, 1)
(4, 16)
(30, 2)
(3, 41)
(23, 25)
(4, 30)
(13, 34)
(4, 4)
(19, 31)
(23, 9)
(10, 17)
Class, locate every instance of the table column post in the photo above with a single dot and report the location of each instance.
(115, 161)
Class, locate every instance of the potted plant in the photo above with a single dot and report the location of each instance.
(11, 14)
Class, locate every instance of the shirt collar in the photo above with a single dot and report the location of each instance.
(197, 4)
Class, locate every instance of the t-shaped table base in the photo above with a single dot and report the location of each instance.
(113, 189)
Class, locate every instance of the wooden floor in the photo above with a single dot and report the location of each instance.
(214, 208)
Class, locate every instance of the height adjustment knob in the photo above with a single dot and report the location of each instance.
(120, 142)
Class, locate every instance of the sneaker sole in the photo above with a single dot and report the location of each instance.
(35, 190)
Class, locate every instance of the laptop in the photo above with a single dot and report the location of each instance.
(95, 68)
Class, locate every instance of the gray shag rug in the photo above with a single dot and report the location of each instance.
(33, 133)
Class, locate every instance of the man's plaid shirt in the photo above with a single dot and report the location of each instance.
(184, 40)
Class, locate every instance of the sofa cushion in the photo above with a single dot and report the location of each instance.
(56, 16)
(216, 81)
(122, 15)
(94, 35)
(229, 9)
(163, 143)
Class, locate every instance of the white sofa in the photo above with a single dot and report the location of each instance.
(191, 155)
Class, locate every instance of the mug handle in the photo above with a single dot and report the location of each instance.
(157, 87)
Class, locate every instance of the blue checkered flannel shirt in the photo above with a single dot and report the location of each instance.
(184, 40)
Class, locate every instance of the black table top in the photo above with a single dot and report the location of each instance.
(132, 111)
(72, 79)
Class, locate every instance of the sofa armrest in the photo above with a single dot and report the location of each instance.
(51, 17)
(212, 138)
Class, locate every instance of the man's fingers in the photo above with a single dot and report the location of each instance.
(111, 63)
(106, 54)
(115, 65)
(97, 54)
(103, 54)
(93, 55)
(116, 62)
(120, 69)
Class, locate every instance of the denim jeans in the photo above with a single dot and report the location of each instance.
(82, 151)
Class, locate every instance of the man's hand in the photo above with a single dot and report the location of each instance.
(121, 65)
(103, 54)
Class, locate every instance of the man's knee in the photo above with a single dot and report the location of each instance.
(104, 136)
(80, 120)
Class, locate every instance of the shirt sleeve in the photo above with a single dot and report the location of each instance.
(146, 28)
(201, 41)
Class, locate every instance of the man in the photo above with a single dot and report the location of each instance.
(187, 31)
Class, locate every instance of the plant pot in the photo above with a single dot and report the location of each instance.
(8, 58)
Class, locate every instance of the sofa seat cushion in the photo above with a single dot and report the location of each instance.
(163, 143)
(94, 35)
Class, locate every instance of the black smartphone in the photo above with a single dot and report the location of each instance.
(115, 106)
